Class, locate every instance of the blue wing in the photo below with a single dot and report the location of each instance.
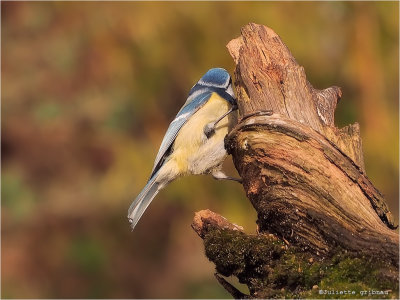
(195, 101)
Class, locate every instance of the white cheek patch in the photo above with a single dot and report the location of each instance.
(230, 91)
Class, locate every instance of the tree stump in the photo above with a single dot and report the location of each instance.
(324, 230)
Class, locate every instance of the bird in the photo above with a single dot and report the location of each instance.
(194, 141)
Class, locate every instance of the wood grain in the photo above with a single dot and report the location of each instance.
(305, 178)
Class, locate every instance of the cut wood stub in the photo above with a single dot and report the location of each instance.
(273, 269)
(205, 218)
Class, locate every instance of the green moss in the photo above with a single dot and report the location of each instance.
(354, 277)
(241, 253)
(270, 270)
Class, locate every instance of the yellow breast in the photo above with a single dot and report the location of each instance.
(191, 145)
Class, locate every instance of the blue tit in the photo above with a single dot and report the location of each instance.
(194, 141)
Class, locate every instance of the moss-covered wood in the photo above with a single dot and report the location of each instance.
(272, 269)
(324, 230)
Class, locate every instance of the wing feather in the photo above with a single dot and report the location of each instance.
(189, 108)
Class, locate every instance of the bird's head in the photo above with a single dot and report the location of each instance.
(217, 79)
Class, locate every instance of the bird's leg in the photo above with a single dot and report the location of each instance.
(219, 175)
(209, 129)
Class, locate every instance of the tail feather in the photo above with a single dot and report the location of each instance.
(142, 201)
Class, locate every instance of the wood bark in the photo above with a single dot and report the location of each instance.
(305, 177)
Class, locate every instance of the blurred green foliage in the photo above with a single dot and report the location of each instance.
(88, 90)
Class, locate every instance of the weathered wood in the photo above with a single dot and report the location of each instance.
(295, 176)
(272, 268)
(305, 177)
(268, 74)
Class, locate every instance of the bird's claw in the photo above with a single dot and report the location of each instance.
(209, 130)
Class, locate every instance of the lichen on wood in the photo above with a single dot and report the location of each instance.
(322, 225)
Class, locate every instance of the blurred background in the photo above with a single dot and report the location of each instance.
(88, 90)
